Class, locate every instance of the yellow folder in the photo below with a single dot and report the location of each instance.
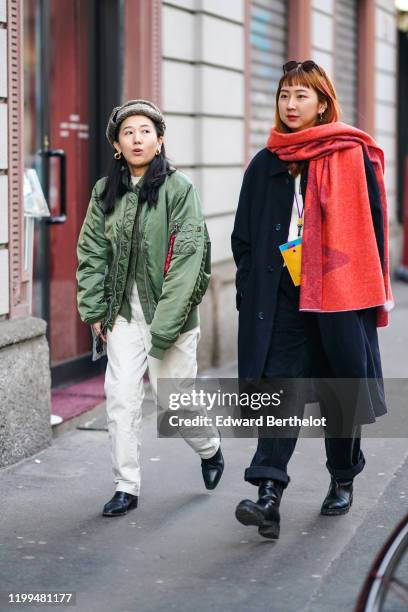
(292, 255)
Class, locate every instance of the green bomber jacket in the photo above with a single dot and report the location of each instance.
(174, 253)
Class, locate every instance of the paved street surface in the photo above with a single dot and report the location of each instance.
(182, 549)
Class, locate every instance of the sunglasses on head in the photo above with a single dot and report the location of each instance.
(307, 66)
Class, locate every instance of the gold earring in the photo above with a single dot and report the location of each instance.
(117, 155)
(158, 151)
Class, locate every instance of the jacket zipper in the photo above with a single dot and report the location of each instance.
(145, 268)
(170, 250)
(117, 264)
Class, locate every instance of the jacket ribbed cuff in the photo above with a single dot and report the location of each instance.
(93, 319)
(156, 352)
(159, 346)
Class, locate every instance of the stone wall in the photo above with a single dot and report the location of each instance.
(24, 389)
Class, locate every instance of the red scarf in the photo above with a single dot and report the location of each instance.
(341, 268)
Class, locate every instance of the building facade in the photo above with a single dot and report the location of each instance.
(213, 67)
(220, 65)
(24, 354)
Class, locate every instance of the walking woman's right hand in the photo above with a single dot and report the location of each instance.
(97, 327)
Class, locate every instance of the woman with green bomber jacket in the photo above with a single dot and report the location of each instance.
(144, 266)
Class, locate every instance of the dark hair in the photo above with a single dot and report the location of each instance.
(153, 178)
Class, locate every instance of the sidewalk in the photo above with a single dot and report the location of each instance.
(182, 549)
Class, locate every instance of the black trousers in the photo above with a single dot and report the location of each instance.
(319, 345)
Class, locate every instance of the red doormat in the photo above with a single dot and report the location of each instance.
(68, 402)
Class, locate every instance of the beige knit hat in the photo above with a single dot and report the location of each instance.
(133, 107)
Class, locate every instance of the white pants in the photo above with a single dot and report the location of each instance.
(128, 345)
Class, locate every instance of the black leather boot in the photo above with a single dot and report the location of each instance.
(119, 504)
(212, 469)
(339, 498)
(265, 512)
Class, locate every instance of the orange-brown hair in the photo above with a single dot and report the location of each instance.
(316, 79)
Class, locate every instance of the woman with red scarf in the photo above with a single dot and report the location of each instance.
(310, 242)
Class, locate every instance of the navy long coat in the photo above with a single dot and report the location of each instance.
(261, 225)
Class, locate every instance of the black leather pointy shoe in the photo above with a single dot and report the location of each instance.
(338, 499)
(265, 512)
(212, 469)
(119, 504)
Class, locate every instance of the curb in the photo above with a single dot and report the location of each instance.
(89, 416)
(85, 418)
